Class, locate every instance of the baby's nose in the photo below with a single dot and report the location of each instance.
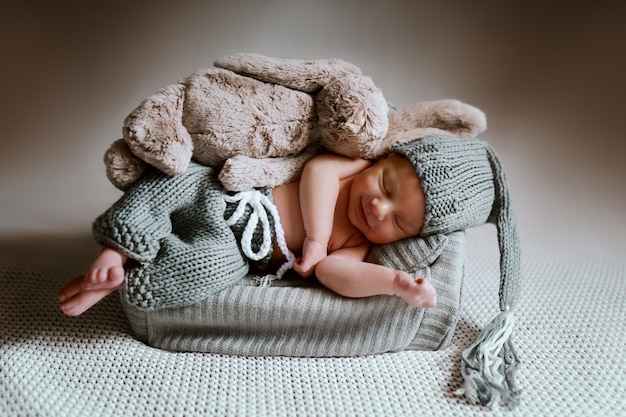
(380, 208)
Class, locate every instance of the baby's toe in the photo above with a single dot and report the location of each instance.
(116, 276)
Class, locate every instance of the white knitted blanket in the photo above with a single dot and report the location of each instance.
(570, 332)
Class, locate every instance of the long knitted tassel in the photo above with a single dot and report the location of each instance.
(490, 363)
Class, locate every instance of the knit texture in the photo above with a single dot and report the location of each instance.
(574, 362)
(457, 180)
(465, 186)
(296, 317)
(173, 228)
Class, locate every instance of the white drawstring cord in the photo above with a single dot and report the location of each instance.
(259, 204)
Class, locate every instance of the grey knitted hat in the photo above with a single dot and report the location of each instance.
(465, 186)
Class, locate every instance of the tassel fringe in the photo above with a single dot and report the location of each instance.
(490, 363)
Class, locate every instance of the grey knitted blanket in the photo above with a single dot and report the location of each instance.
(296, 317)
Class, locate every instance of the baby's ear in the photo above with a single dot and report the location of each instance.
(409, 254)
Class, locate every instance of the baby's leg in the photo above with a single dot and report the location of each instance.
(105, 274)
(418, 293)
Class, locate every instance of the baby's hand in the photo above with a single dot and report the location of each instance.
(312, 253)
(418, 293)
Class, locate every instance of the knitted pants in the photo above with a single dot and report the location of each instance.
(173, 230)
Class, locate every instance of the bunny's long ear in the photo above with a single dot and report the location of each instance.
(449, 115)
(307, 76)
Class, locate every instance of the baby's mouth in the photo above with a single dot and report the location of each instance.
(363, 215)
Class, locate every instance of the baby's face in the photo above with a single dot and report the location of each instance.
(387, 201)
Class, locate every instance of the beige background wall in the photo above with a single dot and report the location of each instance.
(550, 79)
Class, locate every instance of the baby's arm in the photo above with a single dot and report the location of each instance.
(344, 272)
(319, 188)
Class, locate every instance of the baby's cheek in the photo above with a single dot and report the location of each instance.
(383, 235)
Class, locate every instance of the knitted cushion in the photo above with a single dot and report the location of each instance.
(298, 317)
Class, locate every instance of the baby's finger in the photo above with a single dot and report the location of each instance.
(303, 268)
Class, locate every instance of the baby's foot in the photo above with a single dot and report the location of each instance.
(107, 271)
(105, 275)
(75, 300)
(418, 293)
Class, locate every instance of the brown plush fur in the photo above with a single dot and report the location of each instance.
(259, 119)
(253, 106)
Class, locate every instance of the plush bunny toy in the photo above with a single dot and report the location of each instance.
(255, 106)
(259, 119)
